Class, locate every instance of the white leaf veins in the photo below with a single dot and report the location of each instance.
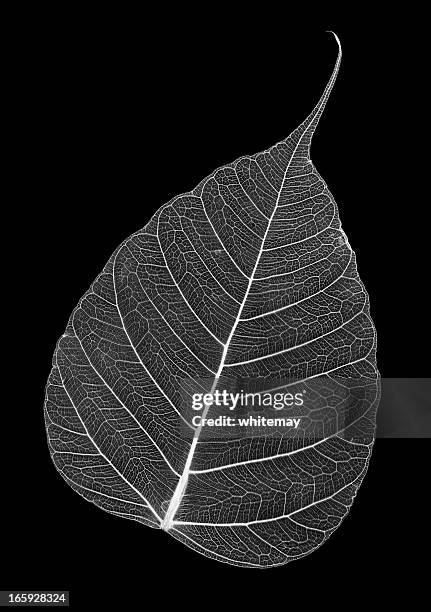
(249, 275)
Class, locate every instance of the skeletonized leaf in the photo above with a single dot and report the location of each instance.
(249, 277)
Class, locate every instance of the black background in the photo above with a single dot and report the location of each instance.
(115, 116)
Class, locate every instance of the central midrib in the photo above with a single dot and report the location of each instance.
(180, 489)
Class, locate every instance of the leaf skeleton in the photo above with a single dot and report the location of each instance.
(246, 277)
